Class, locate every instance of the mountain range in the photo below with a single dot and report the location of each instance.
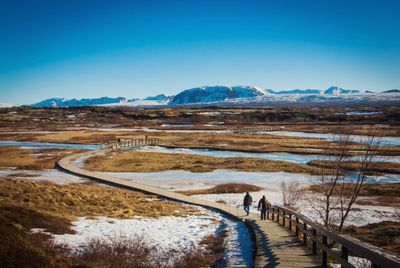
(234, 95)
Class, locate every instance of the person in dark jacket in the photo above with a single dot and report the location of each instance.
(263, 206)
(247, 201)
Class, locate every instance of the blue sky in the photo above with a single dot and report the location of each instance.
(84, 48)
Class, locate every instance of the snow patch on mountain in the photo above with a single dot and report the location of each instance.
(299, 91)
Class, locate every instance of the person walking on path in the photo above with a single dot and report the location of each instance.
(247, 201)
(263, 206)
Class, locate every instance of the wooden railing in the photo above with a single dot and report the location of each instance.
(130, 143)
(320, 241)
(256, 129)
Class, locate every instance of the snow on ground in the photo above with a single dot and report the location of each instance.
(361, 214)
(51, 175)
(164, 234)
(182, 180)
(177, 125)
(290, 157)
(364, 113)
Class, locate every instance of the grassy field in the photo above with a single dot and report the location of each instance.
(379, 167)
(133, 161)
(226, 141)
(85, 200)
(385, 235)
(15, 157)
(375, 194)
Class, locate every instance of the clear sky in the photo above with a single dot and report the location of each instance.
(85, 48)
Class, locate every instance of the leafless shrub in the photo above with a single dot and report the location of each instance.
(291, 194)
(136, 252)
(396, 214)
(338, 187)
(118, 252)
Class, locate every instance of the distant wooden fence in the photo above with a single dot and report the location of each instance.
(130, 143)
(256, 129)
(318, 238)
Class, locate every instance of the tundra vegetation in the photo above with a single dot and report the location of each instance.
(27, 204)
(134, 161)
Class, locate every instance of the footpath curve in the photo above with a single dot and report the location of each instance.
(275, 245)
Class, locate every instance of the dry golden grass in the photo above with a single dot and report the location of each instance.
(32, 159)
(379, 167)
(133, 161)
(226, 188)
(85, 200)
(384, 235)
(354, 129)
(227, 141)
(373, 194)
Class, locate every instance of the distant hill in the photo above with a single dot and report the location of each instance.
(161, 97)
(62, 102)
(392, 91)
(215, 94)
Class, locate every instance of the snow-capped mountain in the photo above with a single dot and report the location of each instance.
(337, 90)
(62, 102)
(299, 91)
(216, 93)
(240, 95)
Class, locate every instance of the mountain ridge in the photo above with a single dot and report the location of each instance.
(221, 94)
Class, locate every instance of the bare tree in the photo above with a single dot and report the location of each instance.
(341, 178)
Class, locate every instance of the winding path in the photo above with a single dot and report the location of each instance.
(275, 245)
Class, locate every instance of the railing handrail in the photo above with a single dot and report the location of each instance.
(377, 256)
(257, 129)
(129, 143)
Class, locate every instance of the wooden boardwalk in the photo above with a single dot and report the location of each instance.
(275, 245)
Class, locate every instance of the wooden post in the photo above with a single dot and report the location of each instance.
(324, 254)
(297, 226)
(314, 243)
(290, 221)
(304, 233)
(284, 218)
(277, 215)
(273, 214)
(345, 254)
